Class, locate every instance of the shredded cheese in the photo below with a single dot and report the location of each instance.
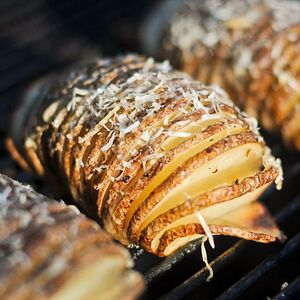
(131, 127)
(204, 258)
(109, 144)
(127, 164)
(153, 156)
(179, 134)
(206, 229)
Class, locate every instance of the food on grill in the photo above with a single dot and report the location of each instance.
(148, 148)
(251, 48)
(50, 250)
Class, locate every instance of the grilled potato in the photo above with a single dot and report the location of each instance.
(250, 48)
(51, 251)
(148, 150)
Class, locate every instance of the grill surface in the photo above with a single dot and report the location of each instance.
(39, 36)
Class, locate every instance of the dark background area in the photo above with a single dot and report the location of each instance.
(41, 36)
(38, 36)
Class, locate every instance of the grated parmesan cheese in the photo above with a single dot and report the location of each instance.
(153, 156)
(109, 144)
(166, 121)
(127, 164)
(131, 127)
(179, 134)
(270, 161)
(145, 136)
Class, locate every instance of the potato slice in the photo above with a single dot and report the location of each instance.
(251, 221)
(86, 284)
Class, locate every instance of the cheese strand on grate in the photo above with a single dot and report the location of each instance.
(205, 260)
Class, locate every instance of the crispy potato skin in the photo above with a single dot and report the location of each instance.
(107, 129)
(195, 228)
(252, 51)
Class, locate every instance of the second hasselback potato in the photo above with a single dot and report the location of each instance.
(51, 251)
(251, 48)
(160, 158)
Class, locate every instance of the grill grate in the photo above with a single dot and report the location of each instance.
(39, 36)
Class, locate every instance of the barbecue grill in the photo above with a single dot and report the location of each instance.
(40, 36)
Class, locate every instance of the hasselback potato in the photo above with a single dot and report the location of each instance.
(251, 48)
(51, 251)
(153, 152)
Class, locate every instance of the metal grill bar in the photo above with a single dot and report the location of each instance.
(290, 292)
(200, 277)
(167, 264)
(262, 269)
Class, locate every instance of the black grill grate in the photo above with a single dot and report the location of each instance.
(39, 36)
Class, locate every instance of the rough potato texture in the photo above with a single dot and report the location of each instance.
(45, 243)
(122, 133)
(251, 48)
